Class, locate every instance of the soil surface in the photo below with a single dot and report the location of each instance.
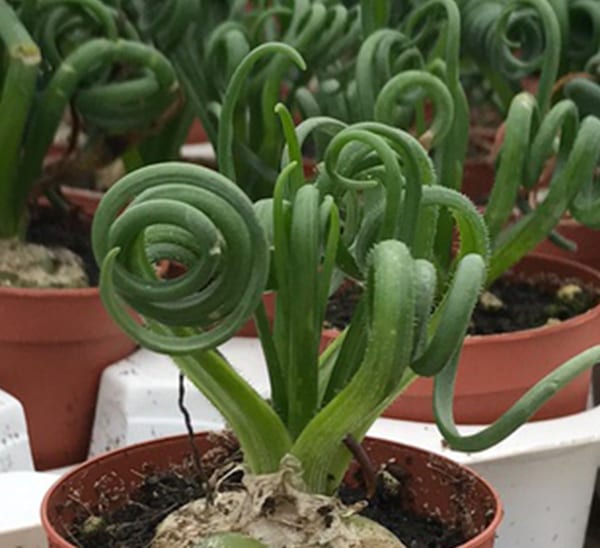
(513, 303)
(517, 302)
(387, 509)
(72, 230)
(341, 306)
(132, 524)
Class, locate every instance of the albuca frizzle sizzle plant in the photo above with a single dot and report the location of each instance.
(58, 53)
(208, 40)
(367, 214)
(514, 39)
(537, 130)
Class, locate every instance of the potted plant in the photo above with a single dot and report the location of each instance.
(406, 324)
(54, 329)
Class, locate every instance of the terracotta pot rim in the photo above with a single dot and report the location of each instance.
(50, 293)
(97, 461)
(77, 191)
(532, 332)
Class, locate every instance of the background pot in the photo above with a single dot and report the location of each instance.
(467, 500)
(249, 329)
(196, 133)
(587, 240)
(478, 179)
(54, 344)
(495, 370)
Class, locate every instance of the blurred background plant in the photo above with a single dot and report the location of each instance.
(78, 61)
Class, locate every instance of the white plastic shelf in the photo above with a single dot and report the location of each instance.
(15, 451)
(138, 396)
(21, 495)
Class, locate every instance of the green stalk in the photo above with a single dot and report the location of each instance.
(121, 107)
(510, 174)
(450, 152)
(550, 60)
(218, 224)
(15, 107)
(262, 436)
(391, 295)
(375, 14)
(225, 148)
(530, 230)
(517, 415)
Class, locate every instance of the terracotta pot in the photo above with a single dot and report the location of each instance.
(587, 240)
(249, 329)
(466, 501)
(496, 370)
(54, 344)
(196, 133)
(478, 179)
(327, 337)
(478, 167)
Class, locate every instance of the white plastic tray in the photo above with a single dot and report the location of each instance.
(15, 452)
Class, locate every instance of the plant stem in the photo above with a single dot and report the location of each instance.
(15, 106)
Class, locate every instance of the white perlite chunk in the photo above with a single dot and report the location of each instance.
(489, 301)
(568, 292)
(272, 509)
(35, 266)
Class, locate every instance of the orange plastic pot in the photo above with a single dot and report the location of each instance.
(587, 240)
(496, 370)
(197, 134)
(249, 328)
(479, 172)
(434, 486)
(86, 200)
(54, 345)
(478, 179)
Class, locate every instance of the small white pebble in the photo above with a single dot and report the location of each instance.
(489, 301)
(568, 292)
(552, 321)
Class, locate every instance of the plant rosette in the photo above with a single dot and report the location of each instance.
(466, 503)
(365, 214)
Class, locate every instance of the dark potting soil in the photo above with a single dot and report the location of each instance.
(387, 509)
(522, 303)
(72, 230)
(533, 301)
(341, 306)
(133, 524)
